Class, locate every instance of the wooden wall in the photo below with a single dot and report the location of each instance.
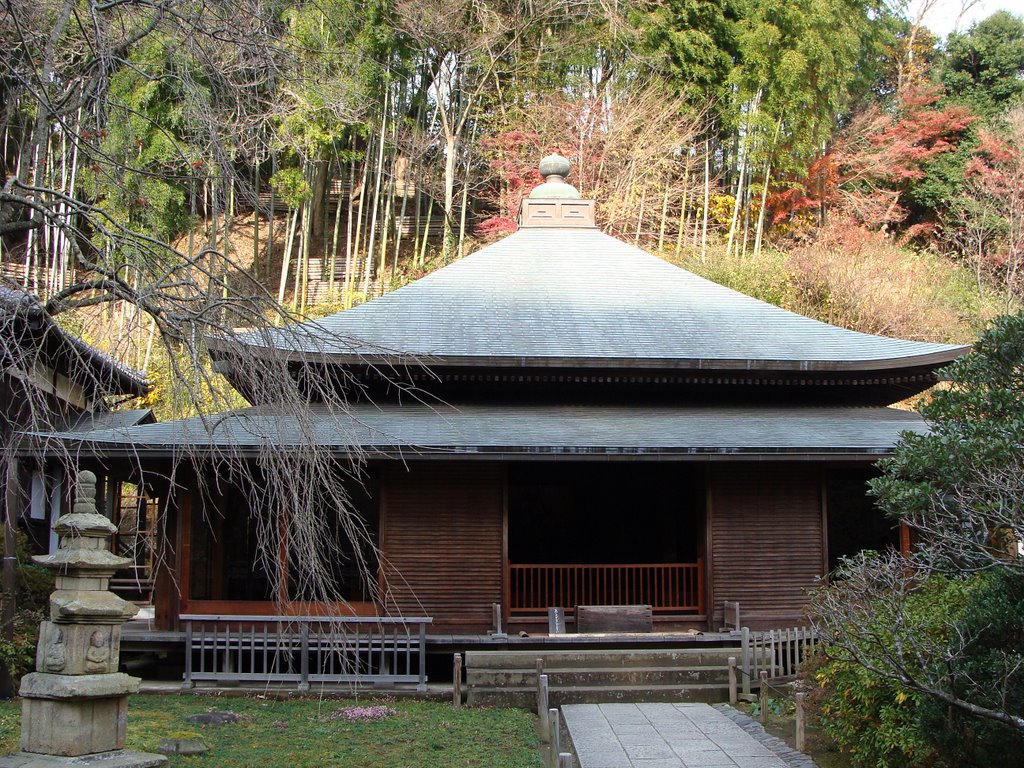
(443, 543)
(765, 535)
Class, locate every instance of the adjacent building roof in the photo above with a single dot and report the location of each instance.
(575, 297)
(581, 431)
(23, 315)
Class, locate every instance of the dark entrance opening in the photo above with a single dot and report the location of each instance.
(226, 565)
(599, 533)
(854, 522)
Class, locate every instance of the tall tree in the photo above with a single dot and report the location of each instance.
(984, 66)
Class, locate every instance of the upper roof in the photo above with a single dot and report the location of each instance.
(23, 315)
(575, 297)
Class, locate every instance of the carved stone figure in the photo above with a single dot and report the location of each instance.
(97, 656)
(55, 654)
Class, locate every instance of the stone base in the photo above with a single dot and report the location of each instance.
(73, 727)
(121, 758)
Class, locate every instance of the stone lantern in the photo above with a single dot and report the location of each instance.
(75, 705)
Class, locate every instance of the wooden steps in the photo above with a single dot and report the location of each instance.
(509, 678)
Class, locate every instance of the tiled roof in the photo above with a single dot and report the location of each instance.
(494, 430)
(108, 374)
(550, 297)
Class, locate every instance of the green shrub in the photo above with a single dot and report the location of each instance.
(766, 277)
(872, 719)
(989, 673)
(876, 720)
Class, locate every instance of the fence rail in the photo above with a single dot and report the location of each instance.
(666, 587)
(305, 649)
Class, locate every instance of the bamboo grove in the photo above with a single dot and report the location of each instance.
(330, 149)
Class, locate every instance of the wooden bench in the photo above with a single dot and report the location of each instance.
(614, 618)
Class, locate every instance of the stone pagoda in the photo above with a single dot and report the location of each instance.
(75, 705)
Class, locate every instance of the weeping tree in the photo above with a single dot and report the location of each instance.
(121, 118)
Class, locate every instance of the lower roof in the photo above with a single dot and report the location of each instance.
(521, 431)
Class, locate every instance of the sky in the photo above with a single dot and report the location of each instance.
(941, 19)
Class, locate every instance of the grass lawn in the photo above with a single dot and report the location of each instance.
(309, 733)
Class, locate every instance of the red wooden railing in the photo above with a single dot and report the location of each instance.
(666, 587)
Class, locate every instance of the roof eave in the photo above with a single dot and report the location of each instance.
(930, 360)
(105, 450)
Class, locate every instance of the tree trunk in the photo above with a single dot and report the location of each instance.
(255, 220)
(682, 206)
(318, 204)
(451, 145)
(640, 216)
(707, 202)
(401, 216)
(426, 233)
(465, 198)
(734, 220)
(333, 263)
(760, 213)
(270, 218)
(382, 266)
(376, 199)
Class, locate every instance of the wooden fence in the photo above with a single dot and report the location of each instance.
(778, 652)
(305, 649)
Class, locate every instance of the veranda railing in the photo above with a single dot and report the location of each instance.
(666, 587)
(305, 649)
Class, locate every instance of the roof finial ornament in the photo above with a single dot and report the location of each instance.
(554, 168)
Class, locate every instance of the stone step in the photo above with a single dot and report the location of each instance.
(526, 697)
(587, 676)
(556, 660)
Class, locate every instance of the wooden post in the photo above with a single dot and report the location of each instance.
(564, 760)
(764, 697)
(496, 610)
(554, 737)
(457, 680)
(542, 705)
(303, 657)
(733, 693)
(745, 642)
(422, 685)
(187, 683)
(800, 722)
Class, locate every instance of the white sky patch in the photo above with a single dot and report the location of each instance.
(943, 17)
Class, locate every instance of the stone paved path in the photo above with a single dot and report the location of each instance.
(662, 736)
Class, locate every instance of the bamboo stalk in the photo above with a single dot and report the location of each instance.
(465, 195)
(426, 233)
(376, 196)
(664, 214)
(286, 258)
(382, 266)
(333, 264)
(707, 202)
(682, 207)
